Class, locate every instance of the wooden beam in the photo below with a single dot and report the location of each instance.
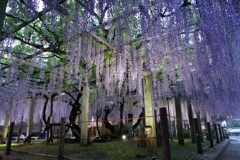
(92, 33)
(23, 61)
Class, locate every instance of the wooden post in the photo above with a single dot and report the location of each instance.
(85, 109)
(158, 130)
(206, 127)
(61, 139)
(210, 134)
(30, 117)
(143, 120)
(223, 133)
(165, 135)
(6, 122)
(169, 121)
(190, 117)
(198, 138)
(216, 131)
(18, 135)
(180, 134)
(130, 117)
(9, 141)
(200, 126)
(58, 135)
(220, 132)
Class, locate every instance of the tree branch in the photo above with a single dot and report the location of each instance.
(23, 24)
(38, 46)
(69, 95)
(88, 9)
(44, 109)
(51, 111)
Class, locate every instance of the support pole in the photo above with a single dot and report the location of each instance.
(200, 126)
(18, 135)
(210, 134)
(174, 128)
(198, 136)
(85, 109)
(30, 117)
(223, 133)
(165, 135)
(6, 122)
(61, 139)
(216, 131)
(206, 127)
(220, 132)
(169, 120)
(190, 117)
(9, 141)
(180, 134)
(158, 130)
(143, 123)
(150, 129)
(130, 117)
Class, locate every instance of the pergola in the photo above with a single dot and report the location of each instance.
(107, 50)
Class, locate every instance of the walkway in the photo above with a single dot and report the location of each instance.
(232, 151)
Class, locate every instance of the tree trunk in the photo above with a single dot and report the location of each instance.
(120, 125)
(75, 115)
(103, 127)
(138, 121)
(108, 125)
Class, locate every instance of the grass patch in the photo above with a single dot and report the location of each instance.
(184, 152)
(115, 150)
